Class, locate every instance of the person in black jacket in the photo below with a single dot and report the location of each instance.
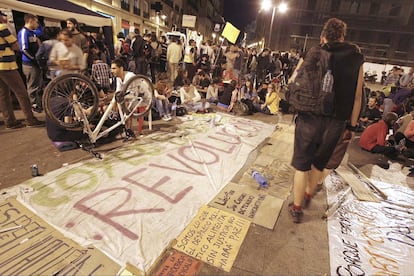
(316, 136)
(137, 45)
(263, 64)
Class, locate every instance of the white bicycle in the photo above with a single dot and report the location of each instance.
(72, 101)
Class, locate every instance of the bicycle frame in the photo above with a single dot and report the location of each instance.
(96, 134)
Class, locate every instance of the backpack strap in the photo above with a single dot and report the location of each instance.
(331, 62)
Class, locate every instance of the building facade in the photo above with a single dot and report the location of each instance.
(209, 13)
(384, 29)
(158, 16)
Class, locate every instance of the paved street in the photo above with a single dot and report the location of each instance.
(288, 249)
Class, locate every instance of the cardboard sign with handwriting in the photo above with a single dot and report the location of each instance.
(178, 263)
(250, 203)
(213, 236)
(30, 246)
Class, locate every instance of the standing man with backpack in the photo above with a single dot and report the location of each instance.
(317, 133)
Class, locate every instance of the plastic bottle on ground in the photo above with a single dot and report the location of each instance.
(260, 179)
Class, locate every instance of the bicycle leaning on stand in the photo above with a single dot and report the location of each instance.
(72, 100)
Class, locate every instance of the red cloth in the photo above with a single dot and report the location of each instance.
(373, 135)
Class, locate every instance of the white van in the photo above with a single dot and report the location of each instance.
(178, 35)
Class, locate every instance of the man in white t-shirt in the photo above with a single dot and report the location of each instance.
(118, 71)
(66, 55)
(122, 76)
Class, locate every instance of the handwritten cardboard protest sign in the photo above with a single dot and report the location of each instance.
(250, 203)
(370, 238)
(178, 264)
(213, 236)
(30, 246)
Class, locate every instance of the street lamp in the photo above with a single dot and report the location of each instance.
(281, 8)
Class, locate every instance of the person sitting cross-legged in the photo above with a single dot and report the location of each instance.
(373, 138)
(191, 99)
(370, 115)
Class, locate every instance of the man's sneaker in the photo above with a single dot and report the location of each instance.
(37, 108)
(296, 215)
(35, 123)
(166, 118)
(15, 125)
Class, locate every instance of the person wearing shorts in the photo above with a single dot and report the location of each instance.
(316, 136)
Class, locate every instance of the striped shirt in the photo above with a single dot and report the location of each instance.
(7, 56)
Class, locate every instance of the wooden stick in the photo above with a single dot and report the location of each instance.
(368, 181)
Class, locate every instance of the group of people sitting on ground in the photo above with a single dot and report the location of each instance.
(201, 93)
(384, 122)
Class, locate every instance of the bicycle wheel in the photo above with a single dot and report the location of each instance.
(138, 96)
(60, 94)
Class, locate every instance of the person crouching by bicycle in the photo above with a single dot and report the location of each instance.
(118, 70)
(66, 55)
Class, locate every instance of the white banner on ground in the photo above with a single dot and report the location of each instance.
(368, 238)
(141, 196)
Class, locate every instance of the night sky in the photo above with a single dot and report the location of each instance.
(240, 13)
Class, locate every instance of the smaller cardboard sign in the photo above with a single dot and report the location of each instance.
(230, 32)
(250, 203)
(213, 236)
(178, 264)
(189, 21)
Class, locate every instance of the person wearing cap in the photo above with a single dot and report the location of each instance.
(10, 77)
(78, 38)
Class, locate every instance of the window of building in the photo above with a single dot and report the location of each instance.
(365, 36)
(125, 26)
(335, 5)
(384, 38)
(306, 30)
(145, 9)
(350, 35)
(311, 5)
(354, 7)
(374, 8)
(137, 11)
(395, 9)
(404, 43)
(125, 5)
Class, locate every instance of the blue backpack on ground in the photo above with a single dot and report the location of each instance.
(312, 89)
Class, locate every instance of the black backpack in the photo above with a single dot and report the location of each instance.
(312, 89)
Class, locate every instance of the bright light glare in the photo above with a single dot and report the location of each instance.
(213, 35)
(282, 7)
(163, 17)
(266, 5)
